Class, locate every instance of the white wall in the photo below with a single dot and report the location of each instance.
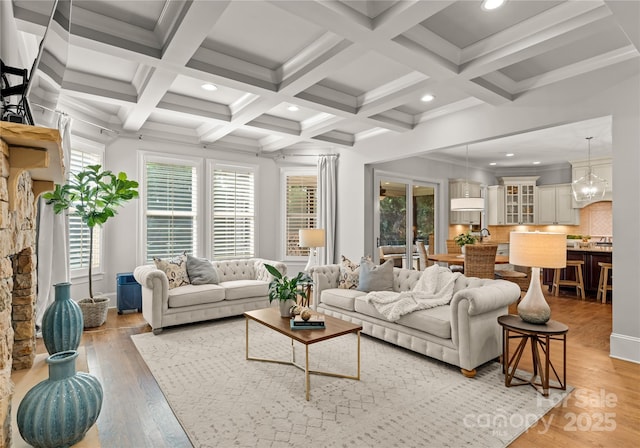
(614, 91)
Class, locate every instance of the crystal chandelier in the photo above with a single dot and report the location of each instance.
(589, 187)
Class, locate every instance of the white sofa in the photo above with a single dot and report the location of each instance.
(243, 286)
(464, 333)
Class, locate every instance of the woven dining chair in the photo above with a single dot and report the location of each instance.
(480, 260)
(453, 248)
(422, 253)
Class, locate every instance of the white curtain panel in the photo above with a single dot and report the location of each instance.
(327, 205)
(52, 248)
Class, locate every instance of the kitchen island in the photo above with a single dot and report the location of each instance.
(591, 256)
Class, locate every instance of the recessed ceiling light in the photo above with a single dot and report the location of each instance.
(536, 163)
(490, 5)
(428, 97)
(208, 86)
(509, 154)
(493, 164)
(293, 108)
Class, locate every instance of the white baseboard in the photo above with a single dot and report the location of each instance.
(626, 348)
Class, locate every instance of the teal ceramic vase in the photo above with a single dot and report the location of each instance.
(62, 322)
(59, 411)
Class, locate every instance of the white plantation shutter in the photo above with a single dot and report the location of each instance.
(233, 212)
(171, 209)
(301, 203)
(79, 233)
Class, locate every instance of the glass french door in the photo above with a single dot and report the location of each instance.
(405, 213)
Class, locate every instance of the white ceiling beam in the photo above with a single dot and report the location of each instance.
(184, 39)
(626, 14)
(405, 15)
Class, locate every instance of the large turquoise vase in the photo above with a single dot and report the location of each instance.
(59, 411)
(62, 322)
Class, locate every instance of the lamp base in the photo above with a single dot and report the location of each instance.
(312, 260)
(533, 308)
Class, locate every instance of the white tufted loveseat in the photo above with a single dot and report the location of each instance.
(464, 333)
(243, 286)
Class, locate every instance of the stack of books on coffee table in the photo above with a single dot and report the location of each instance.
(315, 322)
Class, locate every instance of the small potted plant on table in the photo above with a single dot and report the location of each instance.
(464, 239)
(285, 290)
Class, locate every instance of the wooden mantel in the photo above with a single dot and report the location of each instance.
(34, 149)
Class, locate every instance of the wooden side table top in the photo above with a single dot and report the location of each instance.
(515, 323)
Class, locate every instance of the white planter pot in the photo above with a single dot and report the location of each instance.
(285, 307)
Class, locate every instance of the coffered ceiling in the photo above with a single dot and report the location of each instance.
(309, 74)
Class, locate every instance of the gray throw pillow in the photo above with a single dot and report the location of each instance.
(375, 277)
(201, 271)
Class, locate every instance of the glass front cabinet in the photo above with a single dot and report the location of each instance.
(520, 200)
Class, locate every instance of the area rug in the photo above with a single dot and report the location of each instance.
(402, 400)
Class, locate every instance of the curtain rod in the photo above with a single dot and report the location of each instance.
(55, 111)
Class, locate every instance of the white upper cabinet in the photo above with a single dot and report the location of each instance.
(555, 205)
(520, 200)
(495, 205)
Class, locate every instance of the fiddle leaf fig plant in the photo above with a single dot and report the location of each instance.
(94, 195)
(283, 288)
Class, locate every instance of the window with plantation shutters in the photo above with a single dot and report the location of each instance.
(171, 197)
(232, 212)
(301, 203)
(79, 233)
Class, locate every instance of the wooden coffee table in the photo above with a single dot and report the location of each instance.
(270, 318)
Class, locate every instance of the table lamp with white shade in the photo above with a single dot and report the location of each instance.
(311, 238)
(537, 250)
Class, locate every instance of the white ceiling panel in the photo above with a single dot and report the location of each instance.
(261, 33)
(192, 87)
(142, 13)
(103, 65)
(465, 22)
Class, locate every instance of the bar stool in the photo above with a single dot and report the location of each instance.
(578, 282)
(603, 283)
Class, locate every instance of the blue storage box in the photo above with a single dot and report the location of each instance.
(129, 293)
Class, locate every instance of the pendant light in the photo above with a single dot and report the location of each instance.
(465, 203)
(589, 187)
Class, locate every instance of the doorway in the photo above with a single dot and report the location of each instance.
(405, 213)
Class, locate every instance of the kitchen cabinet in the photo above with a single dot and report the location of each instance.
(520, 200)
(555, 205)
(457, 190)
(495, 205)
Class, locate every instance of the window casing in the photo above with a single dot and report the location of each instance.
(79, 233)
(300, 208)
(232, 227)
(170, 207)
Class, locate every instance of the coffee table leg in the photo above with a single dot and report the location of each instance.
(358, 377)
(246, 352)
(306, 369)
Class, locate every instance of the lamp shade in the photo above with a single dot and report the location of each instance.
(311, 237)
(538, 249)
(467, 204)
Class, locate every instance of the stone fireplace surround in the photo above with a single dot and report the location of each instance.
(30, 163)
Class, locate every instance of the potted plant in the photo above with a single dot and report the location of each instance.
(285, 290)
(464, 239)
(93, 194)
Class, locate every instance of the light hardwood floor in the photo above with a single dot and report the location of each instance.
(603, 409)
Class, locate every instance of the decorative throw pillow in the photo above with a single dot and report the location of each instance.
(175, 268)
(349, 273)
(201, 271)
(375, 277)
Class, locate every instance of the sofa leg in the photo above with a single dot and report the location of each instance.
(157, 331)
(468, 373)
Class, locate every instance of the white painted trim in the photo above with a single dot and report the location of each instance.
(626, 348)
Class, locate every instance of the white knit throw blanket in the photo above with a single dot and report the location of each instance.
(435, 288)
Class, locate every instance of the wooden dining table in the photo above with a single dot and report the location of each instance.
(459, 259)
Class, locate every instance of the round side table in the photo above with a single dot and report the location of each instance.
(540, 337)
